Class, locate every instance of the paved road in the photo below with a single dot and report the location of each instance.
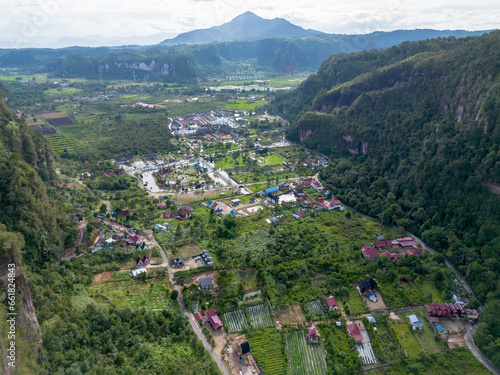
(469, 340)
(185, 311)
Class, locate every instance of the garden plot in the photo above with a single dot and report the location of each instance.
(315, 309)
(235, 321)
(365, 349)
(259, 316)
(304, 358)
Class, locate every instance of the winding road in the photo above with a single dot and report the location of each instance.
(185, 311)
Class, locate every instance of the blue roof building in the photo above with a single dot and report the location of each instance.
(270, 190)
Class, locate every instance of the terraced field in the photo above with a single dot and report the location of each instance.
(259, 316)
(304, 358)
(315, 309)
(235, 321)
(61, 142)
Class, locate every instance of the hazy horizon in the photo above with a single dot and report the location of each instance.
(52, 23)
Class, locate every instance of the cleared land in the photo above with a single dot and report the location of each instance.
(291, 315)
(304, 358)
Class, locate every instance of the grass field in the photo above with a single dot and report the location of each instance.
(63, 91)
(405, 336)
(135, 294)
(304, 358)
(187, 251)
(267, 348)
(243, 104)
(356, 304)
(384, 343)
(229, 162)
(273, 159)
(259, 316)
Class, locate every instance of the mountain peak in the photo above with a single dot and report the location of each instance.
(246, 26)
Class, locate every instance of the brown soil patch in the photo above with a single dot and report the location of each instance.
(452, 326)
(456, 341)
(187, 251)
(393, 316)
(291, 315)
(103, 277)
(380, 304)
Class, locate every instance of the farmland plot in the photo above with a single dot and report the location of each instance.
(259, 316)
(235, 321)
(267, 349)
(315, 309)
(304, 358)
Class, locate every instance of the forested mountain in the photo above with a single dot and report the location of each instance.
(26, 166)
(275, 45)
(414, 135)
(246, 26)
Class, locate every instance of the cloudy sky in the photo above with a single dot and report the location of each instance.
(43, 22)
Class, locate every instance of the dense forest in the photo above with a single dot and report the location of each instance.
(413, 133)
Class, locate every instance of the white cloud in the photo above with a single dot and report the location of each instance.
(38, 21)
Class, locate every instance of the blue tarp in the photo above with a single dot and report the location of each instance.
(233, 212)
(270, 190)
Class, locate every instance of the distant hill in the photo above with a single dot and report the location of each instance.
(246, 26)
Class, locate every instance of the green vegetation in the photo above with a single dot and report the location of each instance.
(244, 105)
(303, 357)
(269, 352)
(405, 335)
(441, 187)
(384, 343)
(341, 354)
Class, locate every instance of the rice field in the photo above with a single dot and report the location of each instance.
(235, 321)
(259, 316)
(315, 309)
(304, 358)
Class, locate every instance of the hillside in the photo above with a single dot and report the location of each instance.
(414, 133)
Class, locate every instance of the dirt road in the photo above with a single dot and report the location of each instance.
(185, 311)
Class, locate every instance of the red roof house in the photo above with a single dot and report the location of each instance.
(379, 244)
(167, 215)
(438, 310)
(332, 303)
(414, 251)
(370, 252)
(135, 239)
(404, 239)
(125, 213)
(141, 261)
(198, 317)
(162, 206)
(355, 332)
(312, 334)
(409, 243)
(389, 255)
(184, 213)
(214, 319)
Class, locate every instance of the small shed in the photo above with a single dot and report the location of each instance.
(415, 322)
(198, 316)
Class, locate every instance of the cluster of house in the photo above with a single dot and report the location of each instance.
(192, 123)
(218, 210)
(449, 310)
(211, 317)
(405, 245)
(110, 174)
(315, 161)
(127, 238)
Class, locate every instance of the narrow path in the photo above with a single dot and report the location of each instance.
(185, 311)
(469, 340)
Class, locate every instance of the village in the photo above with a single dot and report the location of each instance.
(232, 175)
